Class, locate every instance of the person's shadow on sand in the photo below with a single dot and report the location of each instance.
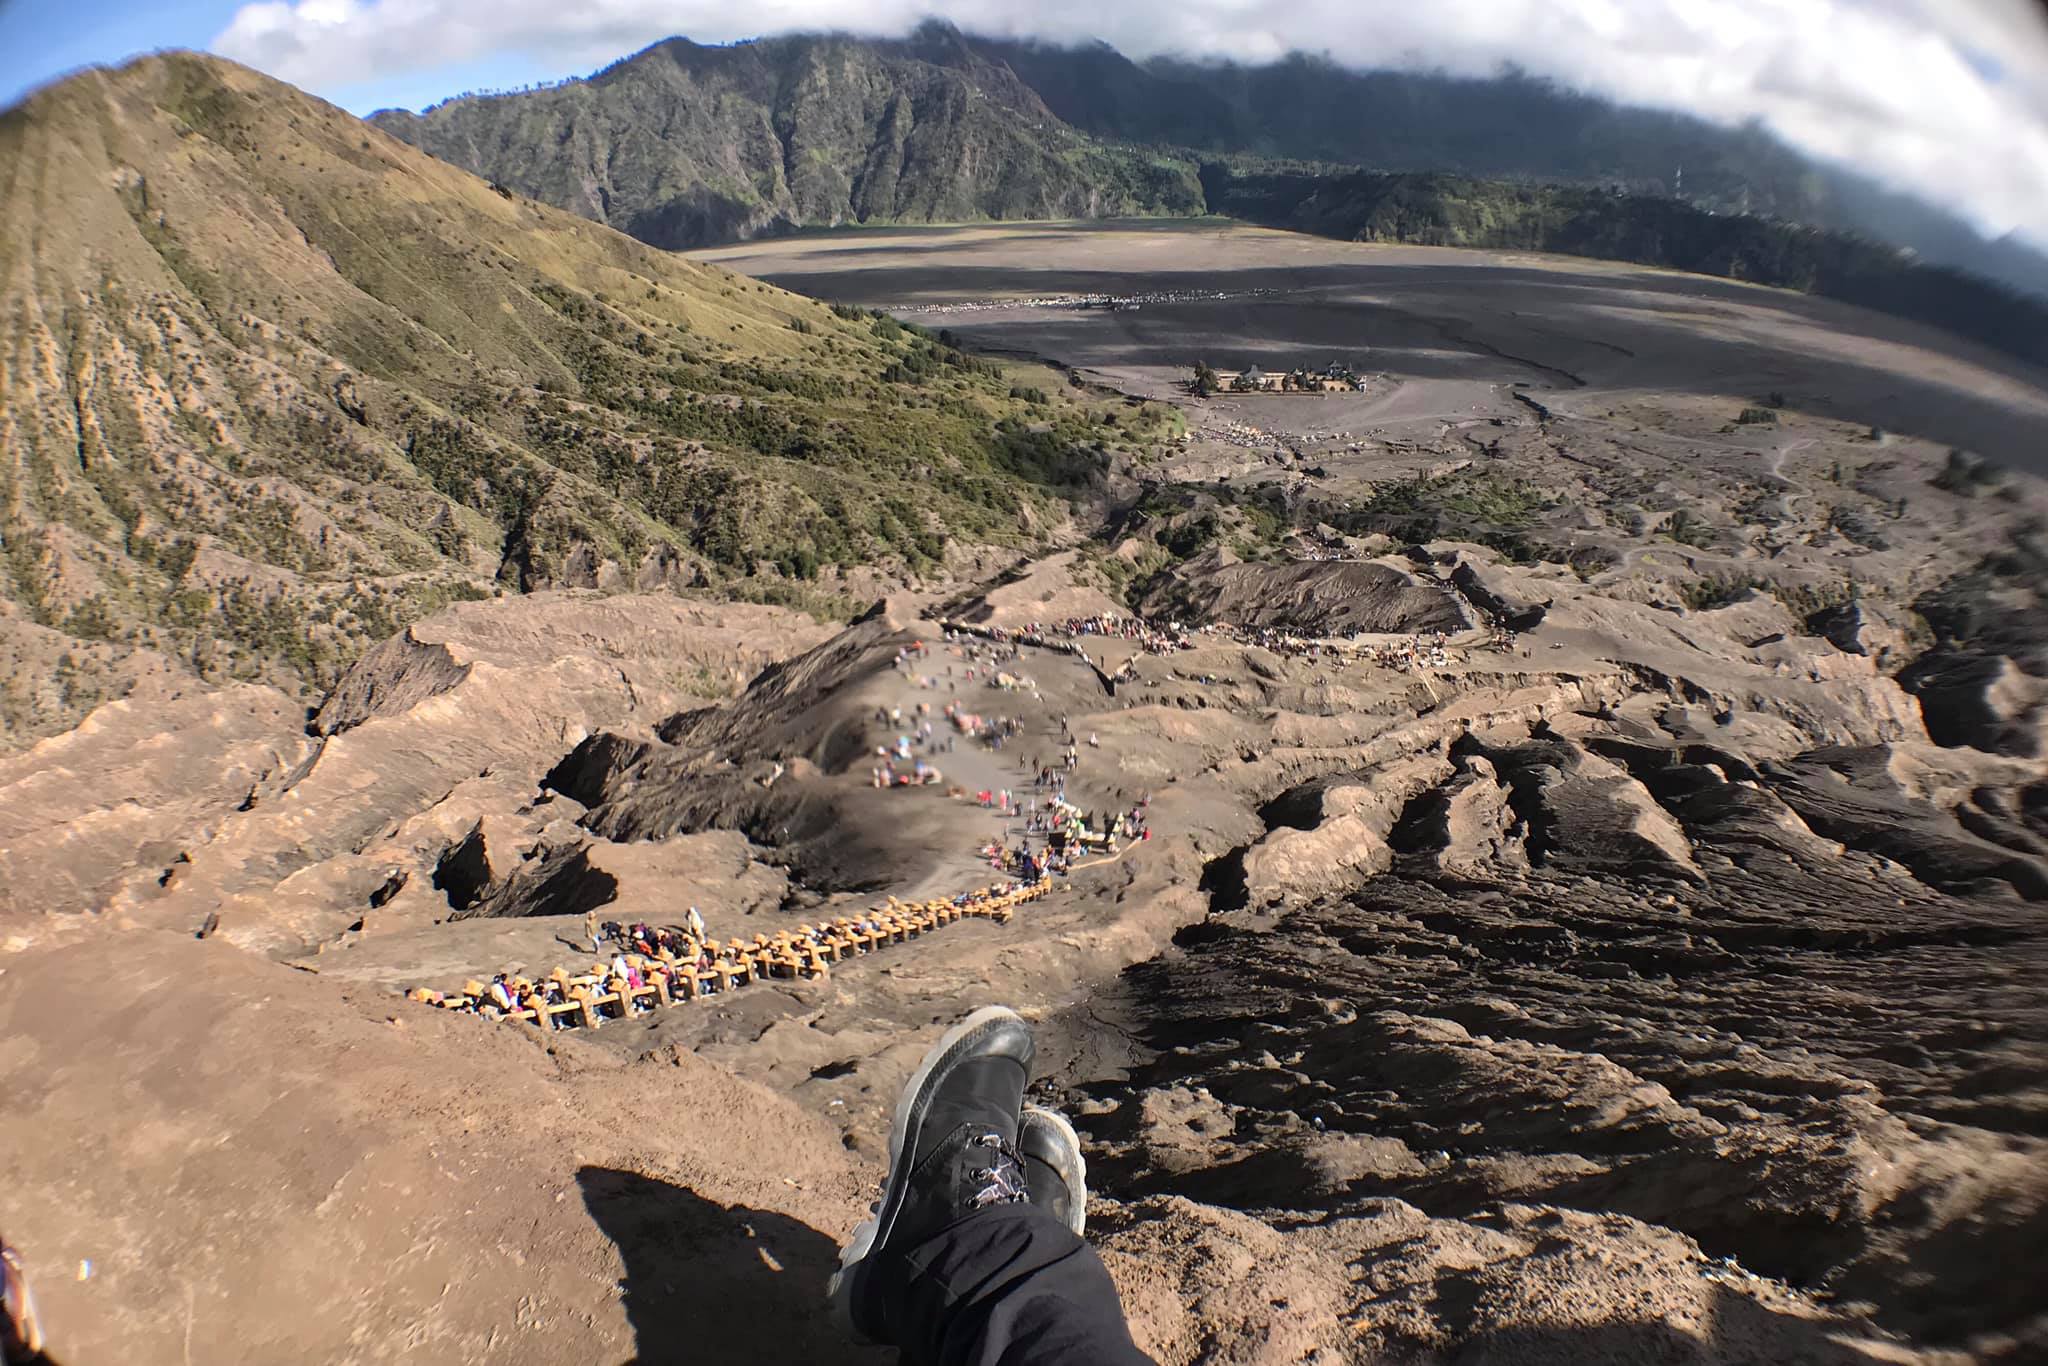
(706, 1284)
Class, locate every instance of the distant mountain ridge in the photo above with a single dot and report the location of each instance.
(684, 145)
(1510, 127)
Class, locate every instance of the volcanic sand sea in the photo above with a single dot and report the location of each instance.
(1449, 326)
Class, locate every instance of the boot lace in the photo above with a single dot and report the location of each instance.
(1001, 1182)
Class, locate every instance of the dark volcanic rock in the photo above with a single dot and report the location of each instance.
(1312, 597)
(1856, 627)
(1985, 684)
(1983, 701)
(390, 680)
(1852, 796)
(1801, 1056)
(1515, 616)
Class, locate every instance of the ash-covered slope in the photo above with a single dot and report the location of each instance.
(1646, 984)
(1637, 997)
(307, 1174)
(1305, 597)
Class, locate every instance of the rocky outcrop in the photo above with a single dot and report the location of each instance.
(1984, 701)
(1855, 797)
(1644, 1021)
(1468, 577)
(1330, 835)
(1309, 598)
(555, 878)
(392, 679)
(1587, 814)
(1859, 627)
(1471, 826)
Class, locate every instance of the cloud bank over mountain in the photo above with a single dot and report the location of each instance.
(1947, 99)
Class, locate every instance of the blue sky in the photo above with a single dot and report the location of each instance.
(41, 40)
(1946, 99)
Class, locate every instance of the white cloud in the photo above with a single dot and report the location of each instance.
(1944, 98)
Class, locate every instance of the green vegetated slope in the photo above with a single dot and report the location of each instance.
(272, 383)
(681, 145)
(1440, 210)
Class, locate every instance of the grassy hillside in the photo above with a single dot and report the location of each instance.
(681, 145)
(272, 383)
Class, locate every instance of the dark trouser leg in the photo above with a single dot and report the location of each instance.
(1007, 1286)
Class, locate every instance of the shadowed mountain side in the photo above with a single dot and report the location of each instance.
(1510, 126)
(1445, 314)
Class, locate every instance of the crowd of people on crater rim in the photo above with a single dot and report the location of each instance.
(919, 733)
(1053, 831)
(1421, 650)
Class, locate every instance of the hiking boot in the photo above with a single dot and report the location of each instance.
(1054, 1171)
(952, 1151)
